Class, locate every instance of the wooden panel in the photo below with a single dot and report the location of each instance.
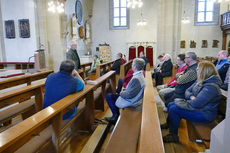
(150, 136)
(124, 138)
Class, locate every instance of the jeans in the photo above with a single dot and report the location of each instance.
(119, 86)
(175, 114)
(111, 99)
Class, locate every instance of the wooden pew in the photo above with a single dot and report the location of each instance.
(105, 67)
(28, 79)
(18, 65)
(125, 68)
(135, 131)
(150, 135)
(25, 107)
(15, 137)
(148, 67)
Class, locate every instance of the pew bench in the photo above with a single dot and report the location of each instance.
(48, 122)
(100, 70)
(125, 135)
(26, 79)
(21, 101)
(201, 132)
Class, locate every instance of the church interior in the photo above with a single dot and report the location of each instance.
(36, 36)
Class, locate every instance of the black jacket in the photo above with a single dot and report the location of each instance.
(116, 66)
(166, 68)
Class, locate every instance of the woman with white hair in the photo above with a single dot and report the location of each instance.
(166, 70)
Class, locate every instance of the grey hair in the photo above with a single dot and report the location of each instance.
(168, 56)
(139, 63)
(192, 55)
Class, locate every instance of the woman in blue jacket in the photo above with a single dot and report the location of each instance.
(200, 103)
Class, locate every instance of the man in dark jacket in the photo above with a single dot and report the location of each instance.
(166, 70)
(117, 63)
(184, 79)
(73, 55)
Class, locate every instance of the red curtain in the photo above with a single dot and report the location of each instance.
(132, 52)
(140, 49)
(149, 54)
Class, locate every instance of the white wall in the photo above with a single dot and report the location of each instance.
(199, 33)
(19, 49)
(118, 39)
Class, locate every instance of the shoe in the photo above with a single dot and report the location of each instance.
(164, 126)
(112, 119)
(171, 138)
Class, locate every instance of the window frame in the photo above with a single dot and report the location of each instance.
(112, 17)
(216, 11)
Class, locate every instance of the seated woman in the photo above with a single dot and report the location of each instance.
(165, 70)
(200, 103)
(96, 61)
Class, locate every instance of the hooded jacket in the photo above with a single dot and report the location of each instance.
(207, 96)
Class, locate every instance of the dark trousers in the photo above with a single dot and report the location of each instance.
(175, 114)
(119, 86)
(111, 99)
(158, 78)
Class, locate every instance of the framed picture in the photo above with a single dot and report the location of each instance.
(24, 28)
(10, 29)
(204, 44)
(182, 44)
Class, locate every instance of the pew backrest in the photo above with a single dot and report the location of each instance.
(125, 68)
(28, 79)
(150, 134)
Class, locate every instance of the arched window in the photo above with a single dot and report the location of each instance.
(119, 14)
(207, 12)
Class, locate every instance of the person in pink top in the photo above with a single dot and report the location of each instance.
(169, 88)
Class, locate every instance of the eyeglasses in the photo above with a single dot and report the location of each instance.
(187, 57)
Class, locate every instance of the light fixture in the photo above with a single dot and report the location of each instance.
(56, 6)
(184, 19)
(134, 3)
(142, 21)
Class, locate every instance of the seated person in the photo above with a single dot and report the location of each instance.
(222, 59)
(184, 79)
(200, 103)
(168, 88)
(224, 86)
(223, 70)
(166, 70)
(142, 55)
(61, 84)
(96, 61)
(124, 57)
(133, 94)
(117, 63)
(161, 61)
(123, 60)
(125, 81)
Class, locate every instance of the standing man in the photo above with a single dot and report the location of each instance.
(73, 55)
